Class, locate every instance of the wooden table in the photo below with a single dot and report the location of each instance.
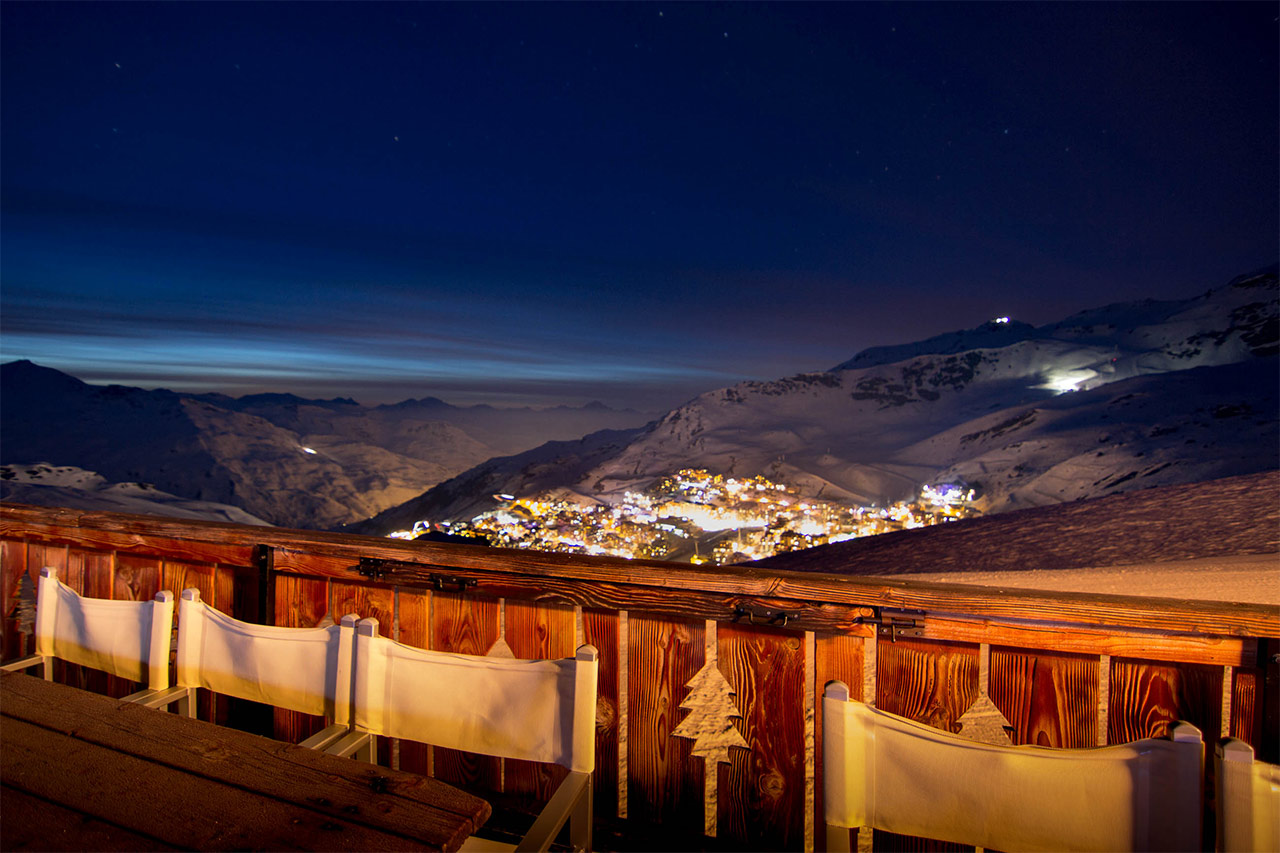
(83, 771)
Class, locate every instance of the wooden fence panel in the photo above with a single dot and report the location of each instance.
(413, 623)
(300, 602)
(470, 626)
(1049, 699)
(928, 681)
(665, 783)
(837, 657)
(761, 801)
(600, 629)
(932, 682)
(13, 567)
(537, 631)
(1148, 697)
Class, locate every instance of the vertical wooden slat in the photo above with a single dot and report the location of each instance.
(665, 783)
(762, 806)
(600, 629)
(469, 626)
(177, 576)
(1048, 698)
(537, 631)
(1147, 697)
(837, 657)
(300, 602)
(13, 566)
(931, 682)
(369, 602)
(1246, 710)
(137, 578)
(413, 613)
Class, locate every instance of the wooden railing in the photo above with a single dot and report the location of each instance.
(686, 649)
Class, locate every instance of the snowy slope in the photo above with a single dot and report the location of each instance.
(42, 484)
(292, 461)
(1162, 392)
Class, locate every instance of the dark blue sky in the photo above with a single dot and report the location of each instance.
(544, 203)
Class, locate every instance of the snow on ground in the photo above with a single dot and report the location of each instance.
(1250, 579)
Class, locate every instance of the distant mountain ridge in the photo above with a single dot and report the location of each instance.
(1114, 398)
(285, 459)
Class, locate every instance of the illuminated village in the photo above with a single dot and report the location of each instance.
(697, 517)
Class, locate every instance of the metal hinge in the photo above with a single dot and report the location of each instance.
(894, 624)
(762, 616)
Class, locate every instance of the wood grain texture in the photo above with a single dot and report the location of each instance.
(1148, 697)
(413, 621)
(49, 826)
(299, 603)
(253, 792)
(1246, 710)
(930, 682)
(761, 803)
(836, 658)
(665, 783)
(537, 631)
(600, 629)
(467, 625)
(1048, 698)
(819, 596)
(13, 566)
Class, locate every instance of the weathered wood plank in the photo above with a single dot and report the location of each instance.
(761, 803)
(1246, 709)
(665, 783)
(931, 682)
(13, 567)
(130, 743)
(1083, 639)
(1148, 697)
(537, 631)
(837, 657)
(413, 616)
(45, 825)
(466, 625)
(600, 629)
(1049, 699)
(729, 584)
(299, 603)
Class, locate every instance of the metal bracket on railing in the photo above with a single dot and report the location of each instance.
(371, 568)
(761, 616)
(439, 582)
(893, 625)
(376, 569)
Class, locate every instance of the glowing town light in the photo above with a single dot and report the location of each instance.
(308, 450)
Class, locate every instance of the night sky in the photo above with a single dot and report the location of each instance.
(545, 203)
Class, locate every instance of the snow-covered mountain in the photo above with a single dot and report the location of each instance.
(291, 461)
(1115, 398)
(42, 484)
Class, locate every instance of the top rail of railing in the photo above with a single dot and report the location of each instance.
(803, 600)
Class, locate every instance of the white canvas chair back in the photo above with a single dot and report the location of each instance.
(129, 639)
(300, 669)
(1248, 799)
(890, 773)
(536, 710)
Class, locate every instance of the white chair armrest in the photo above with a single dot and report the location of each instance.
(571, 801)
(326, 738)
(353, 744)
(184, 696)
(19, 664)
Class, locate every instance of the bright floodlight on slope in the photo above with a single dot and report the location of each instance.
(1000, 320)
(1063, 381)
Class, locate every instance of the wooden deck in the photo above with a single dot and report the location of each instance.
(750, 645)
